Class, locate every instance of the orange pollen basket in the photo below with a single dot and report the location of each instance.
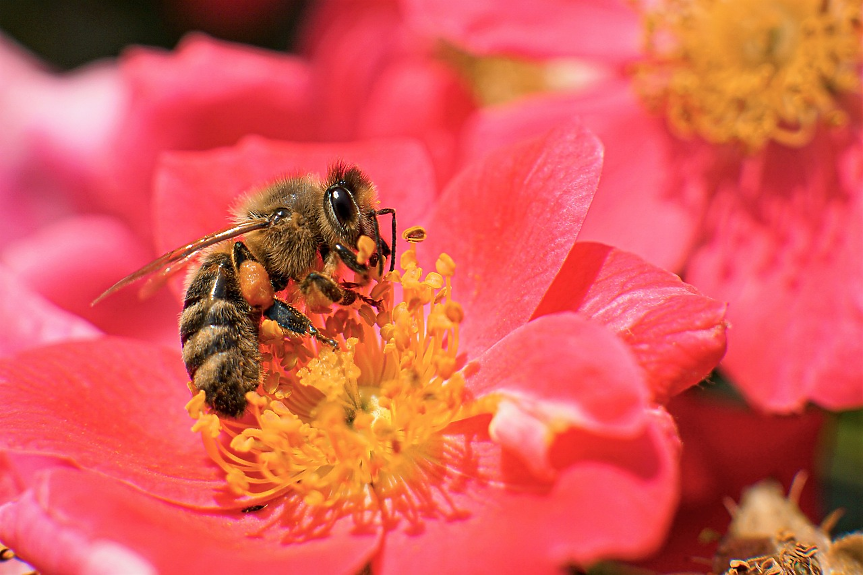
(355, 431)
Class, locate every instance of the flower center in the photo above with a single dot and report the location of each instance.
(357, 430)
(751, 71)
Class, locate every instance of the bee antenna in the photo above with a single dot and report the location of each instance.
(392, 212)
(378, 242)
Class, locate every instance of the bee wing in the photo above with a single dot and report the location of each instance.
(159, 278)
(171, 262)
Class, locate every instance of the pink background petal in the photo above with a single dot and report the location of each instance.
(676, 334)
(716, 466)
(82, 522)
(55, 129)
(205, 94)
(508, 222)
(113, 406)
(606, 29)
(641, 205)
(29, 320)
(348, 44)
(784, 245)
(397, 84)
(74, 260)
(421, 98)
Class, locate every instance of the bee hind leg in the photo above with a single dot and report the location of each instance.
(292, 319)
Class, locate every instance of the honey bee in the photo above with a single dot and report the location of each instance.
(296, 231)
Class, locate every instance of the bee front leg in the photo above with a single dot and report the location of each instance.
(326, 285)
(349, 287)
(342, 294)
(292, 319)
(350, 259)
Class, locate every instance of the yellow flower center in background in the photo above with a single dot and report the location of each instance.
(354, 431)
(751, 71)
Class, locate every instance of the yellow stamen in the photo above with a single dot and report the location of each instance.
(365, 248)
(357, 430)
(751, 71)
(414, 234)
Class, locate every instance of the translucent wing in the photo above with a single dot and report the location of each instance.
(169, 263)
(159, 278)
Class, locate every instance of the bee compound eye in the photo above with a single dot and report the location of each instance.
(342, 204)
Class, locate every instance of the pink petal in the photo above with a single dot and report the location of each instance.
(195, 191)
(784, 245)
(508, 222)
(641, 205)
(55, 129)
(576, 371)
(29, 320)
(19, 470)
(397, 84)
(113, 406)
(421, 98)
(586, 379)
(348, 45)
(73, 261)
(587, 28)
(751, 447)
(613, 498)
(82, 522)
(676, 334)
(205, 94)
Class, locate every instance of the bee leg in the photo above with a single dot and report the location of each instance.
(342, 294)
(326, 285)
(383, 247)
(241, 253)
(255, 283)
(349, 287)
(292, 319)
(350, 259)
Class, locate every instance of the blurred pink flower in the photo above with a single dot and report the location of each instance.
(371, 77)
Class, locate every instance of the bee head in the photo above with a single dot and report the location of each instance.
(349, 204)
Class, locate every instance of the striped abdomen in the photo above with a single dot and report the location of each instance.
(219, 332)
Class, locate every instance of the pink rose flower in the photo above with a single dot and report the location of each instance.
(565, 350)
